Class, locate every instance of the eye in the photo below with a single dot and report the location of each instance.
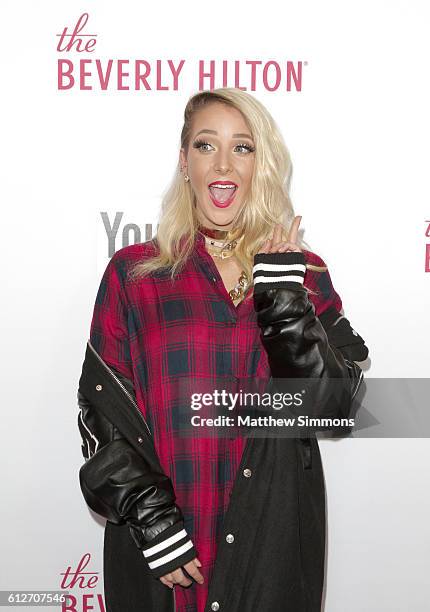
(248, 148)
(200, 144)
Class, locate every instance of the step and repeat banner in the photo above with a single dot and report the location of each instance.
(93, 96)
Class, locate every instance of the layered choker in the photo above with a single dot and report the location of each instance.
(219, 242)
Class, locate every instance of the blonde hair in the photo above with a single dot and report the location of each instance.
(267, 203)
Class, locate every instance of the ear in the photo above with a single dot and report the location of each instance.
(183, 160)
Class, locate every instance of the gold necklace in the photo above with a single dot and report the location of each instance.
(238, 291)
(223, 250)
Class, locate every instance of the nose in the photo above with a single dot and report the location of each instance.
(222, 170)
(222, 163)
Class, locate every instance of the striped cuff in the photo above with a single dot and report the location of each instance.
(170, 550)
(278, 270)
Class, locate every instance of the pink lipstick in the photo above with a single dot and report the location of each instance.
(222, 193)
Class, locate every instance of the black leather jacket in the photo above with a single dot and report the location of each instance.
(121, 478)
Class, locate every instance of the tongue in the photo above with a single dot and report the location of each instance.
(220, 194)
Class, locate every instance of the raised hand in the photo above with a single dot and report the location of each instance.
(277, 245)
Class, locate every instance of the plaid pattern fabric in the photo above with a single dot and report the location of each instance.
(156, 332)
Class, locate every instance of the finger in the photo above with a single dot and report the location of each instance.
(294, 229)
(268, 244)
(276, 246)
(166, 582)
(197, 562)
(194, 572)
(180, 578)
(279, 245)
(277, 234)
(265, 246)
(288, 247)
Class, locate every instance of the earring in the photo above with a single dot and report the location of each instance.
(187, 178)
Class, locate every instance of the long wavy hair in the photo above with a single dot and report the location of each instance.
(267, 203)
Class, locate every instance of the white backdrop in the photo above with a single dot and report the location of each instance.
(358, 133)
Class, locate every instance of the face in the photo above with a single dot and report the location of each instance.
(220, 163)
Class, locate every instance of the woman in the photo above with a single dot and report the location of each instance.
(213, 523)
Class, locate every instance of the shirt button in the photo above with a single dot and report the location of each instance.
(214, 605)
(140, 440)
(99, 387)
(230, 538)
(247, 473)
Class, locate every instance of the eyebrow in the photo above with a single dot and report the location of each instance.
(216, 133)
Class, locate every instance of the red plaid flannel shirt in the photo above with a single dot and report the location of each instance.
(155, 332)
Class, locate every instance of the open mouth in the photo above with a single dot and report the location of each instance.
(222, 193)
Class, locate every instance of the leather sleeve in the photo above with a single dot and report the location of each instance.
(341, 335)
(121, 486)
(296, 341)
